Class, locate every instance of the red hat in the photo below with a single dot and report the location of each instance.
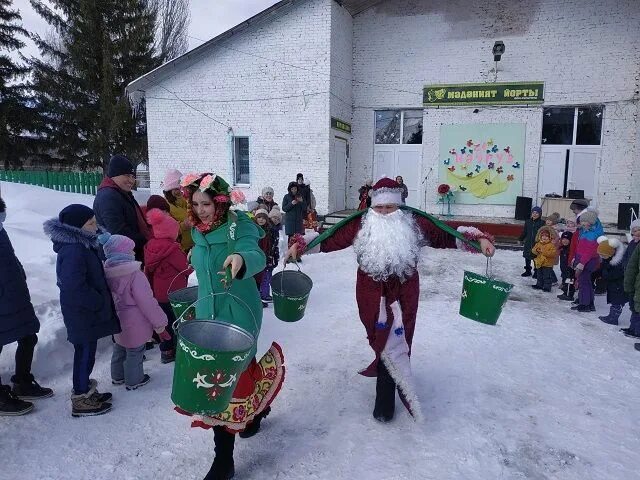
(156, 201)
(386, 192)
(162, 224)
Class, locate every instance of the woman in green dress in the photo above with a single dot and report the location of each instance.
(209, 200)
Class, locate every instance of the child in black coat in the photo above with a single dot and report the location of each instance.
(531, 227)
(568, 273)
(611, 252)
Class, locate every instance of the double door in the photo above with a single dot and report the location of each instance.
(403, 160)
(569, 168)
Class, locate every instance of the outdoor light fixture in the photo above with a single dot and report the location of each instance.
(498, 50)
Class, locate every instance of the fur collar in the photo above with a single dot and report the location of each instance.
(618, 256)
(122, 269)
(66, 234)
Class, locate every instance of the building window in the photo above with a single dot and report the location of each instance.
(396, 126)
(572, 125)
(589, 125)
(241, 160)
(412, 127)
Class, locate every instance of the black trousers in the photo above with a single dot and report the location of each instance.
(24, 358)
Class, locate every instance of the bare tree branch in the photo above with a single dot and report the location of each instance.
(172, 26)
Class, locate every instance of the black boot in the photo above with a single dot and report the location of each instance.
(385, 395)
(222, 468)
(254, 426)
(10, 405)
(527, 272)
(28, 389)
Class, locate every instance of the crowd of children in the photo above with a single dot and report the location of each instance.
(586, 256)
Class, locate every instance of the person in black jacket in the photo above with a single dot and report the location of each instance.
(115, 207)
(531, 227)
(295, 208)
(568, 273)
(304, 191)
(18, 323)
(364, 195)
(611, 252)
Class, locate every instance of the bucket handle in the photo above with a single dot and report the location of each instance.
(489, 270)
(180, 319)
(174, 278)
(282, 276)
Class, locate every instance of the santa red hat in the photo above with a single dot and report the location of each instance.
(386, 192)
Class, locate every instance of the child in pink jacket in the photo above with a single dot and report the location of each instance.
(138, 311)
(167, 268)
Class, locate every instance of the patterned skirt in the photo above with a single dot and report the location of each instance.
(257, 387)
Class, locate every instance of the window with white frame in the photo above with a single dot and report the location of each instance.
(398, 127)
(241, 166)
(572, 125)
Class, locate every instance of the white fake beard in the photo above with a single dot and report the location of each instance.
(388, 245)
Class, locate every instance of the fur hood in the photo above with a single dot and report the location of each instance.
(63, 234)
(619, 247)
(553, 233)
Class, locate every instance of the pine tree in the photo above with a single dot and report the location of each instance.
(101, 45)
(16, 116)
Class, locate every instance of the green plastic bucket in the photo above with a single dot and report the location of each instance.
(290, 291)
(483, 297)
(210, 356)
(182, 301)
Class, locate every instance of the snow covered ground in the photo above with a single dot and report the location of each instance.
(545, 394)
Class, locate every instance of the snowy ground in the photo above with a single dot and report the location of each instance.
(545, 394)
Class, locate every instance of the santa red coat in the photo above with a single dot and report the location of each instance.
(370, 291)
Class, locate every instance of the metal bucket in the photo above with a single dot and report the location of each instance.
(483, 297)
(182, 302)
(290, 291)
(210, 356)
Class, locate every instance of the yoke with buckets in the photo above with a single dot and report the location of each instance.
(217, 341)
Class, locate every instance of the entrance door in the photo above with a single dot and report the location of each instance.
(339, 167)
(582, 171)
(552, 169)
(568, 168)
(403, 160)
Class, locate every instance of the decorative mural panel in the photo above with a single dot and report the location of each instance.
(483, 163)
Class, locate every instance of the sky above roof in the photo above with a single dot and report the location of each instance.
(208, 19)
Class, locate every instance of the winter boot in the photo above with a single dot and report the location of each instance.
(29, 389)
(167, 356)
(141, 383)
(637, 346)
(614, 314)
(100, 397)
(223, 467)
(87, 405)
(10, 405)
(527, 272)
(254, 426)
(584, 308)
(385, 395)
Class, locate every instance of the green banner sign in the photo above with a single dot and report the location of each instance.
(340, 125)
(507, 93)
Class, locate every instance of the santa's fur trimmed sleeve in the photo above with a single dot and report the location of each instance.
(473, 234)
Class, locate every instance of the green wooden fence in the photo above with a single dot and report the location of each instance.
(76, 182)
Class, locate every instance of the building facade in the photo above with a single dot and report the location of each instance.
(337, 90)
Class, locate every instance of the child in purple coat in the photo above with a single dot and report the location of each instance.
(137, 309)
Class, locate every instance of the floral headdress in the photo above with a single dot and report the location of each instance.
(219, 190)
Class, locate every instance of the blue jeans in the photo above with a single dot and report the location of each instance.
(83, 360)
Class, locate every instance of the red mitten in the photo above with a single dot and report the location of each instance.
(164, 336)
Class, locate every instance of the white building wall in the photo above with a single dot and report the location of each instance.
(287, 135)
(586, 51)
(341, 99)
